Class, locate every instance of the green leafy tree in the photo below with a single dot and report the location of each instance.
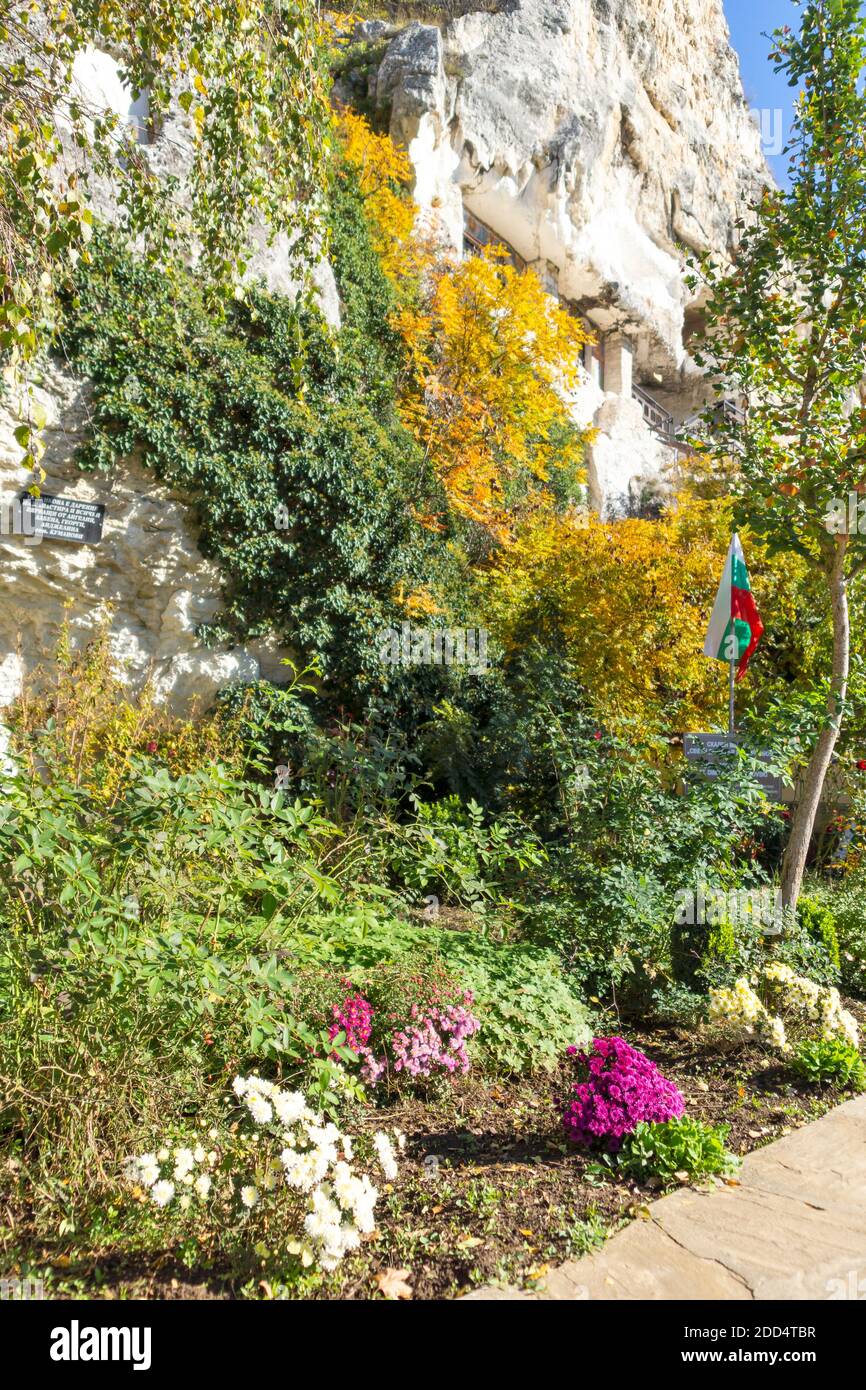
(249, 74)
(786, 329)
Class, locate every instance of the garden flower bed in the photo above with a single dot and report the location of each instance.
(488, 1186)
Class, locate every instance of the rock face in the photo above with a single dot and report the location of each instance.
(600, 139)
(147, 568)
(169, 152)
(603, 141)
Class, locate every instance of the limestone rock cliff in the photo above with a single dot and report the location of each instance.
(602, 140)
(147, 568)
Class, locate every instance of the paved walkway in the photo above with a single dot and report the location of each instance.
(794, 1228)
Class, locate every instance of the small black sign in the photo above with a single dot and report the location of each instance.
(63, 518)
(707, 750)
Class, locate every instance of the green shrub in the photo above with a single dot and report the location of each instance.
(741, 948)
(286, 438)
(820, 924)
(678, 1005)
(675, 1147)
(847, 902)
(829, 1062)
(141, 931)
(450, 849)
(529, 1010)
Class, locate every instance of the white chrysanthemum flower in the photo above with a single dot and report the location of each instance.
(364, 1197)
(291, 1107)
(348, 1148)
(163, 1155)
(323, 1136)
(258, 1083)
(198, 1154)
(316, 1225)
(202, 1185)
(304, 1170)
(776, 1034)
(185, 1202)
(249, 1196)
(777, 971)
(149, 1173)
(183, 1162)
(212, 1158)
(162, 1192)
(239, 1086)
(351, 1238)
(345, 1185)
(849, 1028)
(259, 1108)
(385, 1151)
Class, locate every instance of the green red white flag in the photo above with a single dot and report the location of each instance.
(735, 625)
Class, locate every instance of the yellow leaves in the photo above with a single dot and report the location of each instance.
(491, 357)
(429, 520)
(376, 157)
(628, 599)
(384, 174)
(418, 604)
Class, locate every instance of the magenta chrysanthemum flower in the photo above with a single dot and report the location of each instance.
(621, 1088)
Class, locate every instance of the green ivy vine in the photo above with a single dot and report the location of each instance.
(285, 435)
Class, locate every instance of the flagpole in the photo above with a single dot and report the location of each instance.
(731, 696)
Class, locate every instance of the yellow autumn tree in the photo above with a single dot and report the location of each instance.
(491, 357)
(384, 176)
(493, 361)
(627, 600)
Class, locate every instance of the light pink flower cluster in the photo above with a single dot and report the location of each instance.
(436, 1040)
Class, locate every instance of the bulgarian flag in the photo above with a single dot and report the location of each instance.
(734, 618)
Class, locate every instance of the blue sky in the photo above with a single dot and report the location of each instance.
(748, 21)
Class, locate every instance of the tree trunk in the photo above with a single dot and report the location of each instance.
(813, 784)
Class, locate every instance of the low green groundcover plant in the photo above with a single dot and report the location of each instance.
(830, 1062)
(529, 1009)
(677, 1147)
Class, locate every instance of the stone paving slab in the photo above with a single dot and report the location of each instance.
(793, 1228)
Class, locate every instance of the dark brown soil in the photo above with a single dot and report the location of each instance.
(510, 1197)
(490, 1189)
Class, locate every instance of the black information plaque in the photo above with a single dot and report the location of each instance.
(63, 518)
(707, 750)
